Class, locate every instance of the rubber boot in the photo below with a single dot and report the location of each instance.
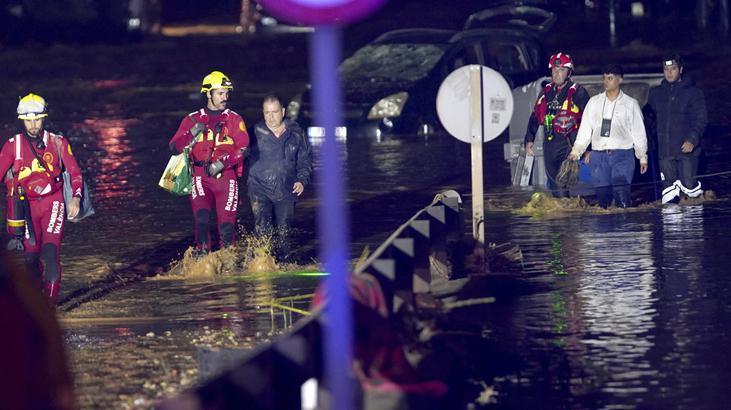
(691, 192)
(227, 234)
(32, 264)
(51, 270)
(33, 268)
(671, 194)
(52, 289)
(203, 230)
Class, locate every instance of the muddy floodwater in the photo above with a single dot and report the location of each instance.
(622, 309)
(141, 341)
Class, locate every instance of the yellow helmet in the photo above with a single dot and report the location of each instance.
(216, 79)
(32, 106)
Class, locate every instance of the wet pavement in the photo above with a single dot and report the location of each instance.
(615, 310)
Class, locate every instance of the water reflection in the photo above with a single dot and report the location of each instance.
(316, 143)
(617, 288)
(316, 135)
(587, 334)
(627, 310)
(688, 312)
(240, 306)
(405, 163)
(117, 164)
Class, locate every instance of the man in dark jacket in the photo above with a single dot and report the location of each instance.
(680, 111)
(281, 169)
(558, 110)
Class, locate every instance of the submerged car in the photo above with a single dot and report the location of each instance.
(390, 85)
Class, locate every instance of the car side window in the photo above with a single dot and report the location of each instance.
(469, 54)
(508, 58)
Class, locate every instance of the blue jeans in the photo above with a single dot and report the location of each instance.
(612, 172)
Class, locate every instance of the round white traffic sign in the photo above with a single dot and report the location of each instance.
(464, 114)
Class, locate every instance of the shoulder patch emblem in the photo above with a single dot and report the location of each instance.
(69, 149)
(242, 126)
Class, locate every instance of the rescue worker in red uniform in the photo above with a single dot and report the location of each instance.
(33, 170)
(218, 140)
(558, 109)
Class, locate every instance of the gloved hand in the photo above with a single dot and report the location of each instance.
(16, 244)
(214, 168)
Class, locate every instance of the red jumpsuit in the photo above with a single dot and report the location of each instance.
(42, 187)
(224, 138)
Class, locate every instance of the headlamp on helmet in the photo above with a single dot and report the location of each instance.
(32, 107)
(216, 79)
(672, 60)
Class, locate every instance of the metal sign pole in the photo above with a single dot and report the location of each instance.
(478, 135)
(475, 113)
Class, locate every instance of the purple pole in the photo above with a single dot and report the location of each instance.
(333, 222)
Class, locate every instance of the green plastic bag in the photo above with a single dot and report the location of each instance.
(177, 177)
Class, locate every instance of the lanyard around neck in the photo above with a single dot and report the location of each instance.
(614, 104)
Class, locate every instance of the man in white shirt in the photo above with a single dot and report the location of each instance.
(612, 123)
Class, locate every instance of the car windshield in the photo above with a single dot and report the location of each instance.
(399, 62)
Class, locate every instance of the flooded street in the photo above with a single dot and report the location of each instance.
(158, 324)
(613, 310)
(626, 310)
(132, 339)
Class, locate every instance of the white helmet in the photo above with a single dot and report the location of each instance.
(32, 106)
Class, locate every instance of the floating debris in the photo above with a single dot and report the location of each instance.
(568, 174)
(708, 195)
(541, 203)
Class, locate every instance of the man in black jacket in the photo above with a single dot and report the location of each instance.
(680, 111)
(281, 169)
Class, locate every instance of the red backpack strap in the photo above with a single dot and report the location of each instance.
(18, 153)
(540, 107)
(12, 173)
(57, 142)
(570, 96)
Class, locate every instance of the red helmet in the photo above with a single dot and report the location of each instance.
(561, 60)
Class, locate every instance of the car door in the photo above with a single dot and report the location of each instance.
(516, 58)
(460, 55)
